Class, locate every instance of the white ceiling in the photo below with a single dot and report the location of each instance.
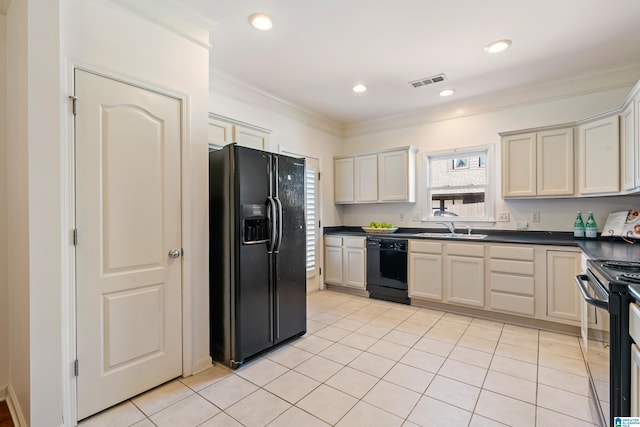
(317, 49)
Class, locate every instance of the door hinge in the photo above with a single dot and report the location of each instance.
(75, 237)
(319, 225)
(320, 271)
(73, 104)
(75, 367)
(318, 176)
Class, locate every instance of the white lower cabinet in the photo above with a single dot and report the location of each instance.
(425, 269)
(563, 296)
(345, 261)
(465, 274)
(511, 279)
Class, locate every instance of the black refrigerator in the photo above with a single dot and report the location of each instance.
(257, 256)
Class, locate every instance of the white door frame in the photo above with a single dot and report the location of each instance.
(319, 253)
(68, 303)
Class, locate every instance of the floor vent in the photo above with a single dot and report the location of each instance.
(428, 80)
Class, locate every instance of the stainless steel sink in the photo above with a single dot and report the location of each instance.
(452, 235)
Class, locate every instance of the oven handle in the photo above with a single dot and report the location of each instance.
(582, 282)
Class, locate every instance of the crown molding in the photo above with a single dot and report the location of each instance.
(228, 86)
(173, 16)
(583, 84)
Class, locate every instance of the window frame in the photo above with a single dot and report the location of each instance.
(489, 193)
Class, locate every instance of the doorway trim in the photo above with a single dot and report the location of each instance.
(319, 254)
(67, 164)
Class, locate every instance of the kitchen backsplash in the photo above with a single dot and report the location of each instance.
(554, 214)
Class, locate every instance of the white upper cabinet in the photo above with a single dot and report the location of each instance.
(343, 180)
(396, 176)
(386, 176)
(223, 131)
(599, 157)
(220, 132)
(519, 165)
(628, 147)
(538, 164)
(252, 138)
(366, 178)
(554, 150)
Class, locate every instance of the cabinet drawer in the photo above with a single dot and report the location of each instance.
(425, 247)
(515, 284)
(511, 252)
(354, 242)
(465, 249)
(332, 241)
(634, 322)
(514, 267)
(512, 303)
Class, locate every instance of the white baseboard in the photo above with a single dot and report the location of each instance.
(14, 406)
(202, 364)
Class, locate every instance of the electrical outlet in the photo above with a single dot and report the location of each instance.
(503, 217)
(401, 216)
(415, 216)
(535, 216)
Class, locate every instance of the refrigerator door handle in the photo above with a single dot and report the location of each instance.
(274, 224)
(279, 203)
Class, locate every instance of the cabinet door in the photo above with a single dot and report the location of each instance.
(251, 138)
(343, 180)
(220, 133)
(563, 297)
(628, 148)
(393, 176)
(636, 103)
(425, 276)
(465, 280)
(366, 178)
(599, 162)
(353, 266)
(519, 165)
(554, 152)
(333, 265)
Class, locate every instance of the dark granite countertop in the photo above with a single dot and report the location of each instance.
(602, 248)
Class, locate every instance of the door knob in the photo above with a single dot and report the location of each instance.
(174, 253)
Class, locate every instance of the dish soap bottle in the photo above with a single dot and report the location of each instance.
(578, 227)
(591, 229)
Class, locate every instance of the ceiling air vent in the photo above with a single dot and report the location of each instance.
(428, 80)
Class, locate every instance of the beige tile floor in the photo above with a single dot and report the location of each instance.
(372, 363)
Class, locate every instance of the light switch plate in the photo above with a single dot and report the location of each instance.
(503, 217)
(535, 216)
(521, 225)
(415, 216)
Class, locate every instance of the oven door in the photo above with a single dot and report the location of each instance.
(596, 345)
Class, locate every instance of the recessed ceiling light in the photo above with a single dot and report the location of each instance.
(261, 21)
(497, 46)
(447, 92)
(359, 88)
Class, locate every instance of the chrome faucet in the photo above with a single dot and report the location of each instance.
(450, 226)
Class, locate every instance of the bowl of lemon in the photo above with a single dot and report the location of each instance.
(380, 228)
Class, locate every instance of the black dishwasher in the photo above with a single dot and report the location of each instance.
(387, 269)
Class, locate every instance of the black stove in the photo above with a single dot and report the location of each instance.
(605, 286)
(615, 274)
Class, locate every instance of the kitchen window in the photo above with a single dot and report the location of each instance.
(457, 185)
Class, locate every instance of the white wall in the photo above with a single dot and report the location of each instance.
(288, 131)
(4, 289)
(17, 203)
(44, 38)
(107, 37)
(482, 129)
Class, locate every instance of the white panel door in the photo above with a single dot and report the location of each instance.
(555, 163)
(519, 165)
(128, 220)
